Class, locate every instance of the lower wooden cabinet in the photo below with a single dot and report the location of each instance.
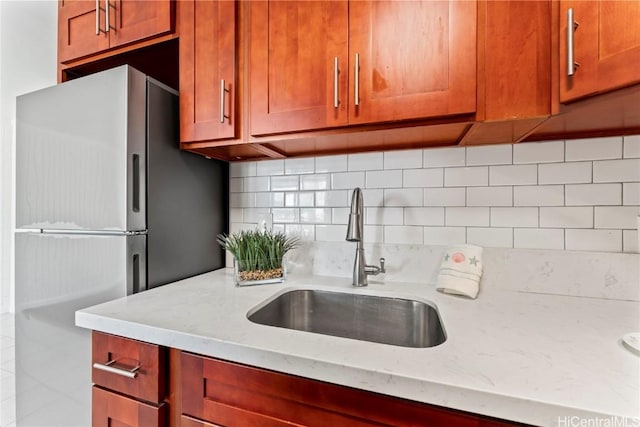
(201, 391)
(115, 410)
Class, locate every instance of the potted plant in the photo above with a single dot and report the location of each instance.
(258, 255)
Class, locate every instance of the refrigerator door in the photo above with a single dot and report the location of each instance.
(80, 154)
(58, 274)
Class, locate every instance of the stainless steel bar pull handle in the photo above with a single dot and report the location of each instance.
(357, 81)
(108, 367)
(223, 92)
(97, 17)
(106, 15)
(336, 71)
(572, 25)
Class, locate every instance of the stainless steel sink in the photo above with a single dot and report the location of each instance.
(394, 321)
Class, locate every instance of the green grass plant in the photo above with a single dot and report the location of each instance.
(256, 249)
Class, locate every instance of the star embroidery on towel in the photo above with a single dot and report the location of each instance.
(474, 261)
(446, 257)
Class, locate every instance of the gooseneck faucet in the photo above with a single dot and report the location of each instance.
(355, 234)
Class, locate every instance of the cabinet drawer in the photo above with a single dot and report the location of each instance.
(191, 422)
(225, 393)
(145, 362)
(110, 409)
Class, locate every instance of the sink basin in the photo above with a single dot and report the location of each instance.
(394, 321)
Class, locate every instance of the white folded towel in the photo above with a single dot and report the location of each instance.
(461, 270)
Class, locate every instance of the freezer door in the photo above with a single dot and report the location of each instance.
(80, 154)
(55, 276)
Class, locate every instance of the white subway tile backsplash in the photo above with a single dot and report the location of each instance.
(627, 170)
(285, 183)
(253, 215)
(302, 199)
(564, 173)
(347, 180)
(424, 216)
(500, 154)
(491, 237)
(443, 157)
(332, 198)
(270, 167)
(302, 231)
(373, 234)
(403, 197)
(235, 215)
(631, 193)
(279, 228)
(332, 164)
(513, 175)
(478, 217)
(384, 179)
(268, 200)
(259, 183)
(242, 169)
(566, 217)
(242, 200)
(593, 149)
(405, 235)
(423, 177)
(538, 152)
(365, 161)
(340, 215)
(631, 146)
(594, 240)
(466, 177)
(331, 233)
(538, 195)
(372, 196)
(444, 235)
(514, 217)
(573, 195)
(299, 166)
(490, 196)
(315, 182)
(283, 215)
(315, 215)
(454, 196)
(538, 238)
(405, 159)
(616, 216)
(593, 194)
(235, 185)
(630, 241)
(384, 216)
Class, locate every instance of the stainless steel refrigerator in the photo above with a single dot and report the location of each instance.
(106, 206)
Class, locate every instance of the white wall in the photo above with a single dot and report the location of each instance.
(28, 44)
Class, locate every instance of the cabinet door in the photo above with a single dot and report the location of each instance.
(416, 59)
(294, 46)
(114, 410)
(207, 58)
(80, 29)
(132, 20)
(606, 45)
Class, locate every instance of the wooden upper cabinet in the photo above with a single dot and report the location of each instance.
(207, 59)
(85, 28)
(298, 63)
(606, 45)
(416, 59)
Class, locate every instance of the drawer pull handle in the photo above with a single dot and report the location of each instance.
(108, 367)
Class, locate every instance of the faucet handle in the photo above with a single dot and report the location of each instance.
(382, 270)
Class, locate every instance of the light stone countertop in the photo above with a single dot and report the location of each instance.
(533, 358)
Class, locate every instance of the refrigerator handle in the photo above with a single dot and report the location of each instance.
(135, 203)
(136, 273)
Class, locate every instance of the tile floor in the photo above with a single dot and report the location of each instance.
(7, 371)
